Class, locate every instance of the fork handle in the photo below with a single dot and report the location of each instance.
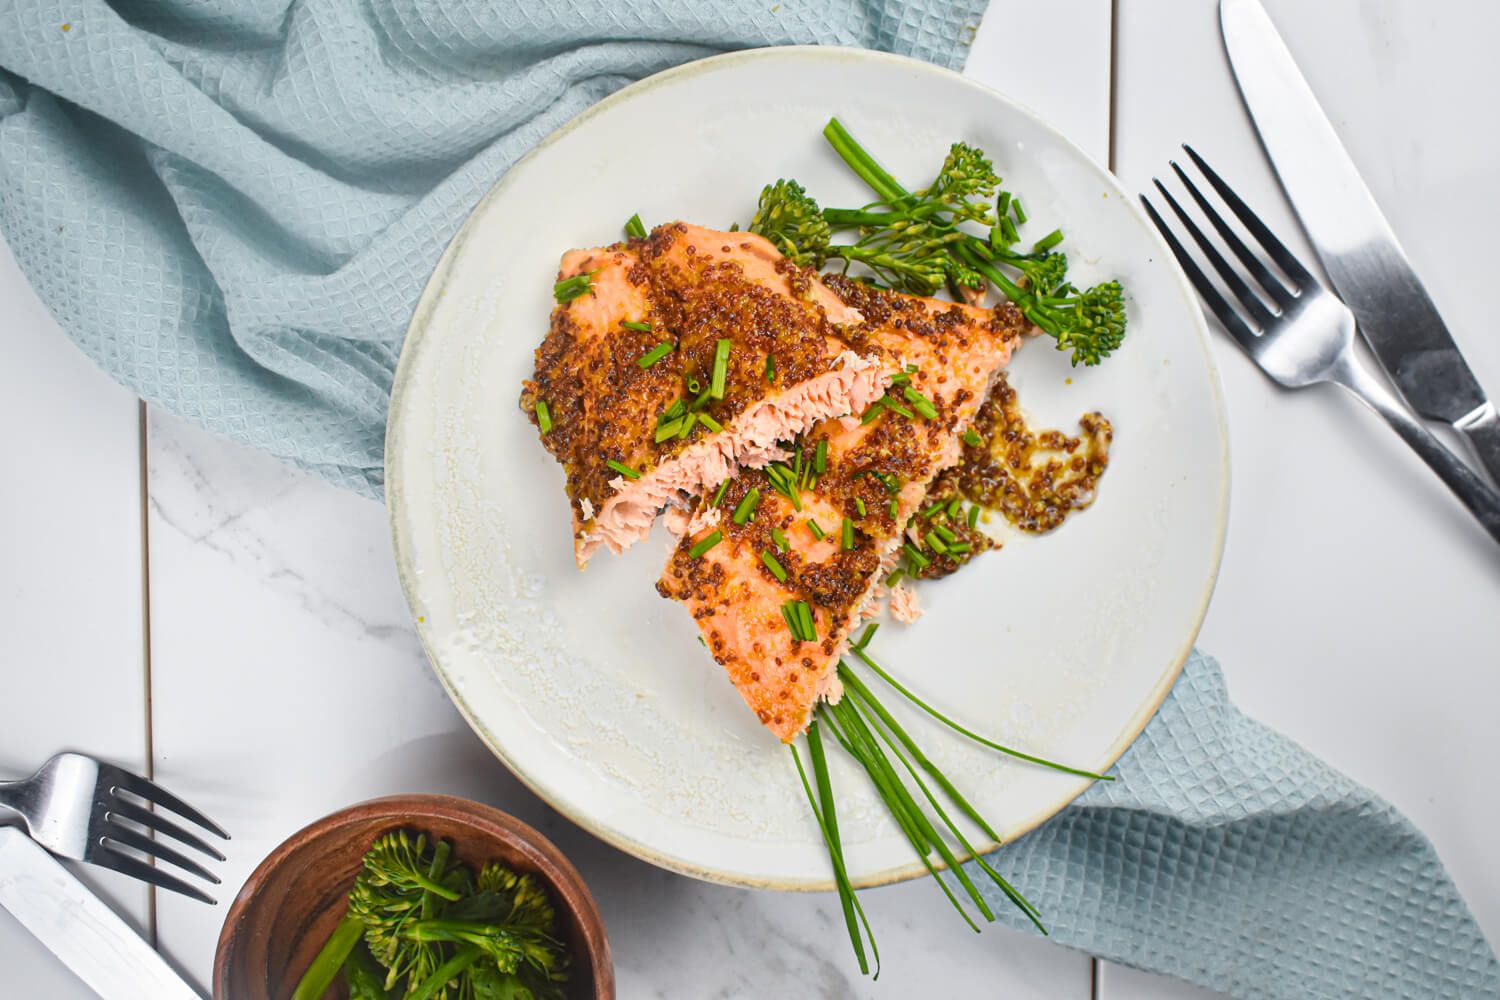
(1483, 502)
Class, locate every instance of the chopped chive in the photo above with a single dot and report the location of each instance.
(895, 509)
(973, 517)
(631, 324)
(668, 430)
(1047, 242)
(848, 534)
(809, 627)
(779, 537)
(917, 558)
(699, 401)
(912, 369)
(972, 438)
(770, 368)
(1015, 206)
(745, 509)
(859, 505)
(654, 355)
(790, 619)
(687, 424)
(891, 404)
(820, 457)
(1002, 205)
(721, 369)
(900, 378)
(959, 547)
(953, 506)
(895, 578)
(623, 469)
(677, 409)
(568, 289)
(694, 386)
(775, 567)
(634, 228)
(936, 544)
(709, 541)
(719, 493)
(817, 531)
(543, 416)
(873, 411)
(920, 403)
(710, 423)
(932, 511)
(943, 533)
(797, 462)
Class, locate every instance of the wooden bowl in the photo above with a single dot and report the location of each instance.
(292, 901)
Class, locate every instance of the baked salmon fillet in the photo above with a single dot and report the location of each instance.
(626, 376)
(781, 565)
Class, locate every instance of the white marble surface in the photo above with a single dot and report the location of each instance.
(285, 680)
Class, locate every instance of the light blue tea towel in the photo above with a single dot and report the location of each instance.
(233, 206)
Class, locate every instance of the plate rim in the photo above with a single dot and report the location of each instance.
(412, 346)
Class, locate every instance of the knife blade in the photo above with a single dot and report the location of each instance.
(77, 927)
(1365, 262)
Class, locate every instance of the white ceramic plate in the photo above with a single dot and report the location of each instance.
(593, 689)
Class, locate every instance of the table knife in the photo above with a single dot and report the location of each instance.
(1366, 264)
(77, 927)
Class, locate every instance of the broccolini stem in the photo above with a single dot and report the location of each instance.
(445, 973)
(330, 959)
(863, 164)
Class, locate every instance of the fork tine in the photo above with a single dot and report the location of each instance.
(1263, 276)
(1221, 308)
(1278, 251)
(152, 792)
(126, 865)
(1237, 285)
(120, 808)
(154, 849)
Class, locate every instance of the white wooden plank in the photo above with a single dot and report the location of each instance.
(70, 591)
(1354, 611)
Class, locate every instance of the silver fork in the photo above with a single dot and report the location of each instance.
(1305, 334)
(87, 810)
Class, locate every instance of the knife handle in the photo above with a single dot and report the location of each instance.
(1482, 429)
(1483, 502)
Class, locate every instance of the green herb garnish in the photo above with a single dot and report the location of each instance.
(654, 355)
(745, 509)
(847, 534)
(623, 469)
(920, 403)
(775, 567)
(719, 493)
(708, 542)
(543, 416)
(634, 228)
(770, 368)
(721, 369)
(815, 528)
(568, 289)
(631, 324)
(779, 537)
(971, 438)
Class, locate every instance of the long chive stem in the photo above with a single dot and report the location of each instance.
(911, 697)
(623, 469)
(828, 818)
